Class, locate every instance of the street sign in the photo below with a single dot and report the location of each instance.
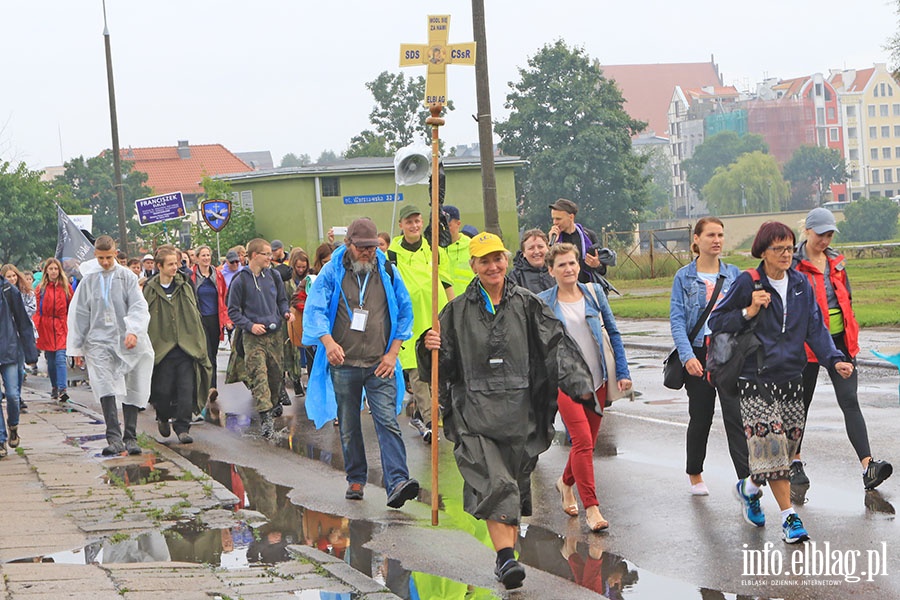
(157, 209)
(216, 213)
(368, 199)
(437, 54)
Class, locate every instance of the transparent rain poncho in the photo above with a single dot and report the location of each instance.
(107, 306)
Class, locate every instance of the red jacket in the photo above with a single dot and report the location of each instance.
(224, 321)
(837, 266)
(51, 316)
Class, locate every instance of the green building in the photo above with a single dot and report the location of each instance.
(299, 205)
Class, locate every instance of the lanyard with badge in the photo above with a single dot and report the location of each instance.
(359, 317)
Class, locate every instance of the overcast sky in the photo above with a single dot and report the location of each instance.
(289, 75)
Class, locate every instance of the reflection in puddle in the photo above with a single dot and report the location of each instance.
(149, 470)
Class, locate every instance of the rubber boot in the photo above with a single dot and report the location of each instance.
(113, 433)
(131, 415)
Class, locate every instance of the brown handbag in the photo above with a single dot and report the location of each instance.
(295, 329)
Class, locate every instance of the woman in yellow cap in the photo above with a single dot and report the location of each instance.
(502, 357)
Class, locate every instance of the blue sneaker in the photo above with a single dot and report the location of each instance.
(751, 510)
(793, 530)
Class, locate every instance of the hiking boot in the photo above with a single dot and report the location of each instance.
(114, 448)
(750, 508)
(133, 448)
(185, 438)
(298, 388)
(283, 397)
(406, 490)
(511, 574)
(63, 397)
(876, 473)
(13, 436)
(354, 492)
(798, 475)
(54, 393)
(793, 531)
(3, 451)
(164, 428)
(267, 424)
(277, 411)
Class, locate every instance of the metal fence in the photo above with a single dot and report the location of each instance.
(649, 253)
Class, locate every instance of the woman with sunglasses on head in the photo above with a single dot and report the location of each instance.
(826, 270)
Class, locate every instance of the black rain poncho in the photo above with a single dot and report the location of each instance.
(499, 375)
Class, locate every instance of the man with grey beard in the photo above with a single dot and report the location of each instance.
(358, 313)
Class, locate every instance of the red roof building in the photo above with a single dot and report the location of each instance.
(180, 168)
(648, 88)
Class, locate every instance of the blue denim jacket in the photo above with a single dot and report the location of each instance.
(591, 314)
(688, 301)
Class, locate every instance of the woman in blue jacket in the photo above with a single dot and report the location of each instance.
(787, 316)
(584, 314)
(692, 289)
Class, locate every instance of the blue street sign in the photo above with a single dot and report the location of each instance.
(372, 198)
(157, 209)
(216, 213)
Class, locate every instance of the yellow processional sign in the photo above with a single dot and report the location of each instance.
(437, 54)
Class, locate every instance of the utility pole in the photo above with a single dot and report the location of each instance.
(485, 126)
(114, 126)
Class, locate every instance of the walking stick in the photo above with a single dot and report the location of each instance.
(435, 121)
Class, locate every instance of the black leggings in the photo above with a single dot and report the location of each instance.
(213, 331)
(847, 398)
(701, 407)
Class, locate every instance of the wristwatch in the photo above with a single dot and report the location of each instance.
(745, 314)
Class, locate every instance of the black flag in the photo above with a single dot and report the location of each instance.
(72, 247)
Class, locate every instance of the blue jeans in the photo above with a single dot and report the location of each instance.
(56, 368)
(11, 380)
(381, 394)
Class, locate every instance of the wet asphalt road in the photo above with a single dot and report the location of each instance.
(673, 545)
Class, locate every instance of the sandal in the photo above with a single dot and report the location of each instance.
(595, 520)
(569, 509)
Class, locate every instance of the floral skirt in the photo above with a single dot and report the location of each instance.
(773, 419)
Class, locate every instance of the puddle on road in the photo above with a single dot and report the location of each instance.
(130, 472)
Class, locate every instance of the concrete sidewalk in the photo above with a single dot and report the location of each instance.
(77, 525)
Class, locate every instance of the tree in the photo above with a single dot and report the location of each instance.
(27, 215)
(567, 121)
(751, 184)
(869, 220)
(367, 143)
(241, 226)
(327, 156)
(92, 184)
(659, 184)
(719, 150)
(811, 170)
(398, 116)
(292, 160)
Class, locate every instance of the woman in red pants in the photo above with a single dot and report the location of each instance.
(584, 312)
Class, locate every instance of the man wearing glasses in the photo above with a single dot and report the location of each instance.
(358, 313)
(257, 304)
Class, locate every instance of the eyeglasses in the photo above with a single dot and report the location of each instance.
(782, 250)
(233, 262)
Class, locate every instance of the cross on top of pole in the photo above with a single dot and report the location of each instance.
(437, 54)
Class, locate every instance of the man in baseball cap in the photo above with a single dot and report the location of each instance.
(458, 251)
(411, 253)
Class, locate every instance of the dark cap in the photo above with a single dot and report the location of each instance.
(232, 256)
(469, 230)
(565, 206)
(362, 233)
(277, 245)
(452, 212)
(408, 211)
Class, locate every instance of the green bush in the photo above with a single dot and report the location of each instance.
(869, 220)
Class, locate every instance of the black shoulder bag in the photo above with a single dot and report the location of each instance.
(673, 370)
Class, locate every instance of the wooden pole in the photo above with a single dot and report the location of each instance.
(435, 121)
